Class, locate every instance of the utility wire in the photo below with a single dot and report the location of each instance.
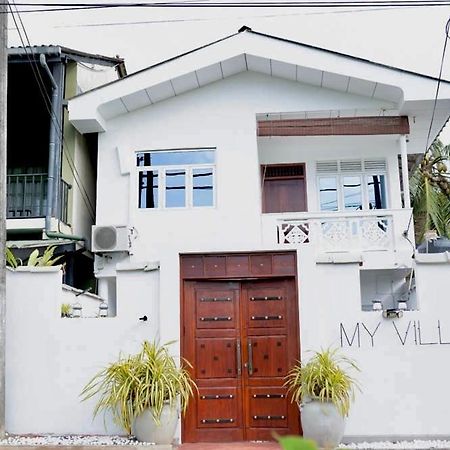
(218, 18)
(53, 117)
(447, 37)
(57, 7)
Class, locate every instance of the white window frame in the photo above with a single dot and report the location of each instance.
(189, 180)
(363, 175)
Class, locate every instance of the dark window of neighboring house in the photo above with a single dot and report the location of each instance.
(283, 188)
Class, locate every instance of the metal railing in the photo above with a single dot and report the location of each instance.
(27, 196)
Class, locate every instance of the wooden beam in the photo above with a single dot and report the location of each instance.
(344, 126)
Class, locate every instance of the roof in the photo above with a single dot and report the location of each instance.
(245, 28)
(396, 91)
(60, 52)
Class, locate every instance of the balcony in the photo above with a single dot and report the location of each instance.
(27, 196)
(334, 232)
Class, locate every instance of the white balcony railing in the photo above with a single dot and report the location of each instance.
(373, 230)
(339, 234)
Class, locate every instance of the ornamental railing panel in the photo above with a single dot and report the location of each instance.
(339, 234)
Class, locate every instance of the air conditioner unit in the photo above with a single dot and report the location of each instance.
(112, 238)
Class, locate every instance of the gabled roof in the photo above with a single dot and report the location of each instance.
(408, 92)
(60, 52)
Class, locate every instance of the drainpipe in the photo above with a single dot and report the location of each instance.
(51, 147)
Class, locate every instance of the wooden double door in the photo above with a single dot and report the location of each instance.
(241, 338)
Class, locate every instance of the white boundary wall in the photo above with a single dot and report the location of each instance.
(50, 359)
(403, 376)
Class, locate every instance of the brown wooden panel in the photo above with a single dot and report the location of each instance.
(284, 264)
(219, 408)
(237, 265)
(215, 309)
(261, 264)
(214, 266)
(266, 308)
(216, 358)
(192, 266)
(335, 126)
(268, 406)
(269, 356)
(284, 195)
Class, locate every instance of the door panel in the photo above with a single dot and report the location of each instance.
(268, 356)
(216, 358)
(237, 337)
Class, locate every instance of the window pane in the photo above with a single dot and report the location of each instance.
(376, 191)
(175, 158)
(328, 194)
(352, 192)
(148, 189)
(202, 187)
(175, 188)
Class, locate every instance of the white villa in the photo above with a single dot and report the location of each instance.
(253, 203)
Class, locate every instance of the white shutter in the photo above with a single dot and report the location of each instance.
(351, 165)
(326, 166)
(375, 165)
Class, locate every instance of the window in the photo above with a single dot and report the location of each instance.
(352, 185)
(283, 188)
(176, 178)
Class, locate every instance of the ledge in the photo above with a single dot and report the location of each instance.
(143, 266)
(339, 258)
(433, 258)
(37, 269)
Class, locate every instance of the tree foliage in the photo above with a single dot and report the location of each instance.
(430, 192)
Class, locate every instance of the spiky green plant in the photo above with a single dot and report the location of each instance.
(325, 378)
(11, 260)
(66, 309)
(149, 379)
(44, 260)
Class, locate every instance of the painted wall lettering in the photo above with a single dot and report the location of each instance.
(413, 332)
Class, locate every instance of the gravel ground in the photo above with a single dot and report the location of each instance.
(416, 444)
(70, 440)
(77, 440)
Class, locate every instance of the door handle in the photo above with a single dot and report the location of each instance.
(238, 357)
(250, 357)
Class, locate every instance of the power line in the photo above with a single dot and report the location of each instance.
(210, 19)
(447, 37)
(55, 7)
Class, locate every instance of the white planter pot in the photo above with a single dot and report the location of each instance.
(322, 422)
(145, 429)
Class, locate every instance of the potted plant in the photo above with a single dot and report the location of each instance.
(143, 392)
(324, 390)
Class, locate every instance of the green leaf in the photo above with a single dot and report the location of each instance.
(296, 443)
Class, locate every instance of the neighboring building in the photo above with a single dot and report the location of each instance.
(49, 158)
(263, 176)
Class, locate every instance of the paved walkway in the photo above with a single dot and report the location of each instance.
(231, 446)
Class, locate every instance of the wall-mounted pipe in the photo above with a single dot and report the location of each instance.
(51, 146)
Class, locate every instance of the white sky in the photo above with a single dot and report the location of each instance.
(410, 38)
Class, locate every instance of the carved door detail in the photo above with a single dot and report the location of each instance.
(242, 338)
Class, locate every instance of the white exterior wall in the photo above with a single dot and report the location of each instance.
(49, 358)
(396, 400)
(223, 115)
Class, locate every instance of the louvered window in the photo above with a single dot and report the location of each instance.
(283, 188)
(352, 184)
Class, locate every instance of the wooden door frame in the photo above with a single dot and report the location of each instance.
(196, 267)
